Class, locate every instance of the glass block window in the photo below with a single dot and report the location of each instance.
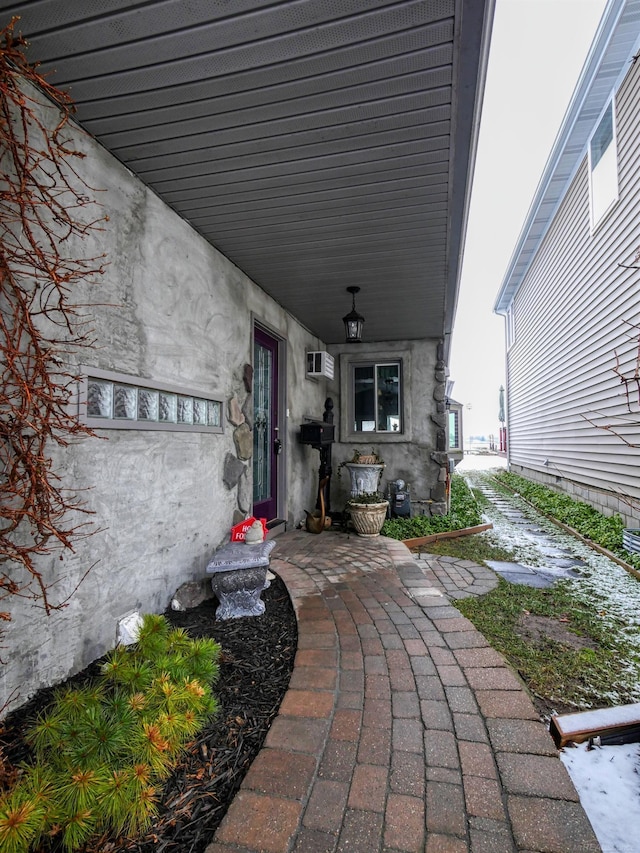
(169, 408)
(100, 399)
(112, 400)
(148, 409)
(199, 411)
(214, 414)
(125, 402)
(185, 410)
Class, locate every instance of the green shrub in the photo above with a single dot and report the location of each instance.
(464, 512)
(101, 750)
(367, 498)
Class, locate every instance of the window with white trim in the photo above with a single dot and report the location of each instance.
(510, 326)
(603, 166)
(455, 438)
(376, 396)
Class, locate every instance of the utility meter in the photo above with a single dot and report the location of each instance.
(399, 499)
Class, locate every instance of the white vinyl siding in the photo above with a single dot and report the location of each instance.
(574, 311)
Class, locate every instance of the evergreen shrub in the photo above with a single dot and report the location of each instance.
(102, 751)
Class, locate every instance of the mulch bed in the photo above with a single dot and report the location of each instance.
(255, 667)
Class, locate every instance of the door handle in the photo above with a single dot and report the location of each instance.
(277, 446)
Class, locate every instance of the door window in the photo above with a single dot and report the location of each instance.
(263, 422)
(265, 425)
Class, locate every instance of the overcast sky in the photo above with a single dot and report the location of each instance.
(537, 51)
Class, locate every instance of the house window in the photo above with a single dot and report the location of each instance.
(454, 430)
(603, 166)
(510, 327)
(377, 397)
(116, 401)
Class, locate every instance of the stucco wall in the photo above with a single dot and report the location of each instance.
(171, 310)
(418, 454)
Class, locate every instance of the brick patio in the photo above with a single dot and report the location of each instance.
(402, 731)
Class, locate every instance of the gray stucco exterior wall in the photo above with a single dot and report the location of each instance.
(172, 310)
(417, 454)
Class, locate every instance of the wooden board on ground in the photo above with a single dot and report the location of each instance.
(447, 534)
(583, 725)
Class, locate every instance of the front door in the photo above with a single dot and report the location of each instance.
(266, 441)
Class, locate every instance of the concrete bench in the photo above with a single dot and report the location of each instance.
(238, 576)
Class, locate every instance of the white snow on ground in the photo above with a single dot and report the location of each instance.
(606, 778)
(599, 718)
(480, 462)
(608, 783)
(601, 584)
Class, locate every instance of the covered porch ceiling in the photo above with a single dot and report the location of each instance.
(318, 144)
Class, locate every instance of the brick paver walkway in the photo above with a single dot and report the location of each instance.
(402, 730)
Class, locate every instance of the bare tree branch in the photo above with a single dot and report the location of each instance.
(45, 206)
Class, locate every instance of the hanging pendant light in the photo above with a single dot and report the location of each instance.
(353, 321)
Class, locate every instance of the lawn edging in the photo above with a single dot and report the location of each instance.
(446, 534)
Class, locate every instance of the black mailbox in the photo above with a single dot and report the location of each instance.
(317, 434)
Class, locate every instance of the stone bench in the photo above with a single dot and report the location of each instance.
(238, 576)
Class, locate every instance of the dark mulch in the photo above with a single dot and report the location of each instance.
(255, 667)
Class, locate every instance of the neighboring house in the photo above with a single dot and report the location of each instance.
(254, 165)
(571, 293)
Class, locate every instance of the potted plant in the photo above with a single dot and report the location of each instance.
(365, 471)
(368, 511)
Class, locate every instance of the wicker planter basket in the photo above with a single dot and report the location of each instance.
(368, 518)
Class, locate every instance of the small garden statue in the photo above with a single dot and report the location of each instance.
(255, 534)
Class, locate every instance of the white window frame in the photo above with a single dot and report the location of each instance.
(454, 414)
(510, 328)
(603, 171)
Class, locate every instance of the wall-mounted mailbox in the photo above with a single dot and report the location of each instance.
(317, 434)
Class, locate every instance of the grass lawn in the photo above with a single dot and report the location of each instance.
(573, 648)
(564, 650)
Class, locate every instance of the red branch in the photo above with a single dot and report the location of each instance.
(631, 382)
(634, 378)
(44, 207)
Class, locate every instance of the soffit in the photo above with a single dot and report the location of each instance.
(317, 144)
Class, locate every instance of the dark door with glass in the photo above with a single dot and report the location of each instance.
(266, 441)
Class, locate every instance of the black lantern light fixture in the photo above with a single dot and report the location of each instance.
(353, 321)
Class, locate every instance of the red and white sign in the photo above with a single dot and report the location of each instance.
(239, 531)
